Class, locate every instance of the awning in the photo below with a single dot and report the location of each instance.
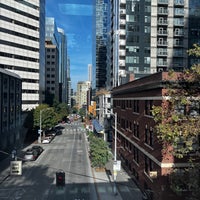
(97, 125)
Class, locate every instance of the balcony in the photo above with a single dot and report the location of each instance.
(162, 43)
(179, 2)
(162, 11)
(163, 22)
(162, 32)
(178, 34)
(178, 23)
(162, 63)
(162, 53)
(163, 2)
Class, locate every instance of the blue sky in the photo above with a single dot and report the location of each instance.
(75, 18)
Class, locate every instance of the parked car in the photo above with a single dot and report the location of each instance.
(30, 155)
(38, 148)
(33, 153)
(46, 140)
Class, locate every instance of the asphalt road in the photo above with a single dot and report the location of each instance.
(67, 152)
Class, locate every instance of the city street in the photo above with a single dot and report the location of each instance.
(67, 152)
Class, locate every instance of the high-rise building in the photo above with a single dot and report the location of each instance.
(21, 31)
(58, 38)
(100, 45)
(62, 65)
(10, 106)
(150, 36)
(90, 72)
(69, 103)
(51, 73)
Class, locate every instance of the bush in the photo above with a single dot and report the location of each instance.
(99, 152)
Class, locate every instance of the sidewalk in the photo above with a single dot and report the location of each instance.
(104, 185)
(126, 189)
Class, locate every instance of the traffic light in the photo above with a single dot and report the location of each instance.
(60, 178)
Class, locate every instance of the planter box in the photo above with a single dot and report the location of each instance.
(100, 169)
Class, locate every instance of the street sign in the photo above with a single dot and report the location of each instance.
(117, 165)
(16, 167)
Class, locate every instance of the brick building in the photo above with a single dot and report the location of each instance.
(137, 145)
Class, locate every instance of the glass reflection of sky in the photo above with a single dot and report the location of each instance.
(75, 9)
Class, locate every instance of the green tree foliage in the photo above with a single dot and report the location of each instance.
(178, 125)
(48, 117)
(99, 152)
(62, 110)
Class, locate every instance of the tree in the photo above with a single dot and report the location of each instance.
(178, 125)
(62, 109)
(46, 116)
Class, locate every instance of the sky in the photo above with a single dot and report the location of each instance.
(75, 18)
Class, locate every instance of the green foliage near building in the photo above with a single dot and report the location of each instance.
(178, 125)
(46, 116)
(99, 151)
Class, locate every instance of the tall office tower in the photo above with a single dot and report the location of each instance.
(58, 38)
(69, 103)
(62, 65)
(42, 52)
(51, 73)
(194, 27)
(100, 46)
(20, 36)
(90, 72)
(52, 61)
(151, 35)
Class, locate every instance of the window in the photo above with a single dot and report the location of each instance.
(136, 106)
(136, 129)
(147, 9)
(147, 29)
(135, 154)
(147, 60)
(148, 165)
(147, 19)
(148, 136)
(148, 107)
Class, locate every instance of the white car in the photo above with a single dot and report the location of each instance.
(46, 141)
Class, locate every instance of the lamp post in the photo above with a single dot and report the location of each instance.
(40, 130)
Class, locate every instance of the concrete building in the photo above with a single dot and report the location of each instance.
(21, 37)
(150, 36)
(138, 147)
(10, 106)
(51, 73)
(58, 38)
(81, 93)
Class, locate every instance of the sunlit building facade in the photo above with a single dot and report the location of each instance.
(150, 36)
(21, 37)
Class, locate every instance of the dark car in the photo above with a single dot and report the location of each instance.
(38, 148)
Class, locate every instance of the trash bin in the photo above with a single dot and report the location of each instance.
(60, 178)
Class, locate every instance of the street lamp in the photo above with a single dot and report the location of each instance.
(116, 166)
(40, 130)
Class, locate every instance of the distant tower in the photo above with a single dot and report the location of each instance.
(90, 73)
